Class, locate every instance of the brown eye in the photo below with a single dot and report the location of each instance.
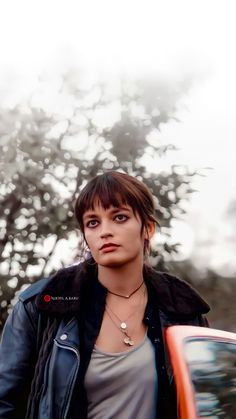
(121, 217)
(92, 223)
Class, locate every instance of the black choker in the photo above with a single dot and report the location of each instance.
(127, 296)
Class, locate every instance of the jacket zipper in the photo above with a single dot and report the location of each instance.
(70, 348)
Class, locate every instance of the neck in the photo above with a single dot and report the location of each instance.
(123, 279)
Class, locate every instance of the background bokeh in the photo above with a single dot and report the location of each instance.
(144, 87)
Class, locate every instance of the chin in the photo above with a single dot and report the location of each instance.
(114, 262)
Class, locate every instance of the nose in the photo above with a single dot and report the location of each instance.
(105, 230)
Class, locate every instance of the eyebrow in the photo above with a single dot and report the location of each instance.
(113, 211)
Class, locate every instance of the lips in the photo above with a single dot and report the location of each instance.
(106, 245)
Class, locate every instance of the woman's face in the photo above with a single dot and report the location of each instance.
(113, 235)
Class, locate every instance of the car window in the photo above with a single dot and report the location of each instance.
(212, 366)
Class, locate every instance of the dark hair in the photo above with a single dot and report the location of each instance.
(116, 188)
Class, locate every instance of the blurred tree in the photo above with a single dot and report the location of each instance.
(219, 291)
(46, 159)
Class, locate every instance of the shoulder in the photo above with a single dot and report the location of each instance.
(33, 289)
(176, 296)
(45, 284)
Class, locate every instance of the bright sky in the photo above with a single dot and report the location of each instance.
(168, 38)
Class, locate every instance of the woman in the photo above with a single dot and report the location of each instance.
(88, 342)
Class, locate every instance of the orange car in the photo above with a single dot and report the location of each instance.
(204, 365)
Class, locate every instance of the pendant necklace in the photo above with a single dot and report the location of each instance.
(123, 326)
(127, 339)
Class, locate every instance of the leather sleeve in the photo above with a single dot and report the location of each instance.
(17, 360)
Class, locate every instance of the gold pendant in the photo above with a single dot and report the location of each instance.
(128, 341)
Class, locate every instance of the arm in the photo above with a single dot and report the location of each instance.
(17, 360)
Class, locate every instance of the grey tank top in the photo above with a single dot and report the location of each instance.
(122, 385)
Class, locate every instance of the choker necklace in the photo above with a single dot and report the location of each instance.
(126, 296)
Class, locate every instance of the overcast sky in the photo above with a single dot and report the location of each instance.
(169, 38)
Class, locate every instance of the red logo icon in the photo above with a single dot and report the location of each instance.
(47, 298)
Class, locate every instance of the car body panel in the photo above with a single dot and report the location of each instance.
(192, 356)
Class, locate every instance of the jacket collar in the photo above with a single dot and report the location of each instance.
(70, 288)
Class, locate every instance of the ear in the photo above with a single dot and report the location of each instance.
(149, 231)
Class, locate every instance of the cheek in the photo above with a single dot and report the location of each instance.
(88, 238)
(134, 238)
(91, 240)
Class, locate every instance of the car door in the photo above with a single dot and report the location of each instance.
(204, 365)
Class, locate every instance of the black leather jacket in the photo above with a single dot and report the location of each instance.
(77, 299)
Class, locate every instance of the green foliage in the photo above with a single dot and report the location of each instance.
(45, 162)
